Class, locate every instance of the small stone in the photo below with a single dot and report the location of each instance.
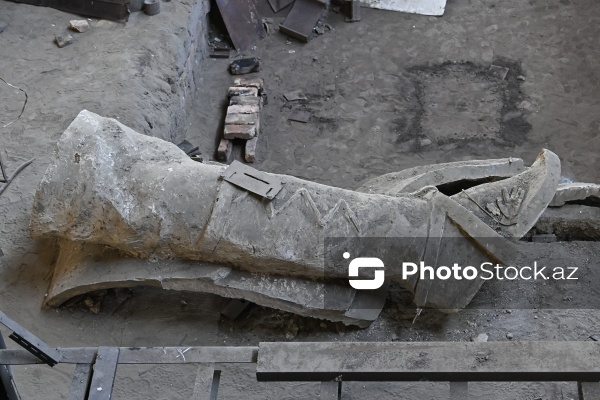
(509, 336)
(292, 330)
(319, 30)
(481, 338)
(79, 25)
(425, 142)
(323, 325)
(63, 40)
(521, 77)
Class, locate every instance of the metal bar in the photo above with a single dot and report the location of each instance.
(459, 390)
(205, 387)
(8, 387)
(331, 390)
(252, 180)
(435, 361)
(30, 342)
(142, 355)
(588, 390)
(80, 385)
(103, 376)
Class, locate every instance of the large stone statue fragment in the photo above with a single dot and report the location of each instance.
(155, 217)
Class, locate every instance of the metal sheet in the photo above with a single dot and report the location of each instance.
(252, 180)
(278, 5)
(302, 18)
(8, 388)
(243, 23)
(30, 342)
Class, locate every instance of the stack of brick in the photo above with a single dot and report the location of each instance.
(243, 117)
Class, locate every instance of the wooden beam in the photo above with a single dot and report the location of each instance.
(435, 361)
(80, 384)
(588, 390)
(330, 390)
(142, 355)
(103, 376)
(459, 390)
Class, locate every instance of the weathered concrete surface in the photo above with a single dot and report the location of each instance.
(82, 268)
(413, 179)
(577, 191)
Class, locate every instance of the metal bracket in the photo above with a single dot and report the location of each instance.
(31, 342)
(252, 180)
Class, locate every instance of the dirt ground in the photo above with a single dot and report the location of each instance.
(389, 92)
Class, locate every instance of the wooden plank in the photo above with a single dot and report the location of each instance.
(459, 390)
(103, 376)
(588, 390)
(142, 355)
(173, 355)
(330, 390)
(80, 384)
(435, 361)
(203, 387)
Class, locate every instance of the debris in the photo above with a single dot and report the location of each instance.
(292, 330)
(319, 30)
(79, 25)
(5, 179)
(595, 338)
(300, 116)
(63, 40)
(240, 18)
(295, 95)
(94, 307)
(302, 18)
(521, 77)
(481, 338)
(425, 7)
(224, 150)
(218, 53)
(499, 71)
(244, 66)
(509, 336)
(353, 10)
(425, 142)
(151, 7)
(24, 103)
(234, 308)
(189, 148)
(278, 5)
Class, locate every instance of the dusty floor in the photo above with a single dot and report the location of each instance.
(389, 92)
